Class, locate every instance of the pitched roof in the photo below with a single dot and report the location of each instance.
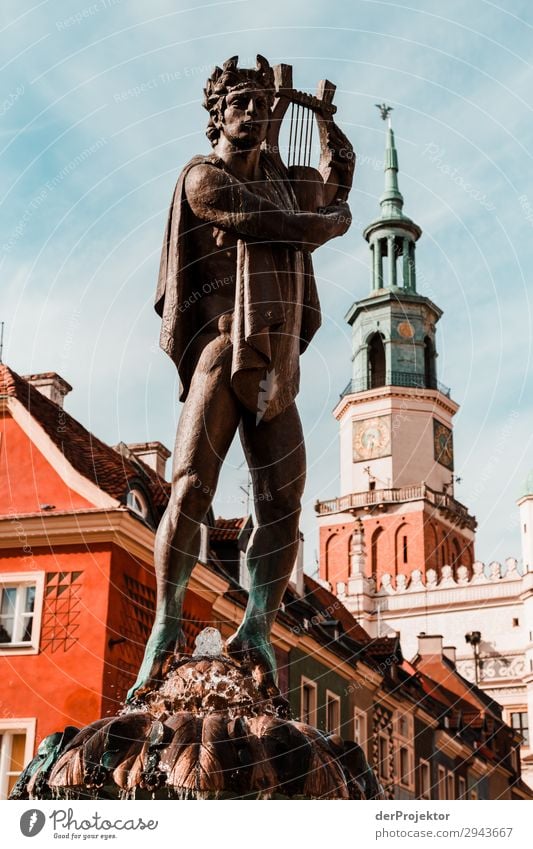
(227, 529)
(91, 457)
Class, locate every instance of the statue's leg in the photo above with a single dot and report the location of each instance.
(275, 453)
(206, 428)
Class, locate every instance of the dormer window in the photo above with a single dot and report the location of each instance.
(136, 502)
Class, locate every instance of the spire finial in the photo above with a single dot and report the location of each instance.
(391, 201)
(385, 111)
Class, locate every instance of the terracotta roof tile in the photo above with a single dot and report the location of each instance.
(227, 529)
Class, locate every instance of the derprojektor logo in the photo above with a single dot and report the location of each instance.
(32, 822)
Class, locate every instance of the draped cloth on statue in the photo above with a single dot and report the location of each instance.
(277, 310)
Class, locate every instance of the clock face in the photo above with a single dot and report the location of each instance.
(371, 438)
(443, 444)
(406, 329)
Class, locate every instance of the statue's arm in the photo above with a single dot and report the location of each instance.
(337, 161)
(215, 197)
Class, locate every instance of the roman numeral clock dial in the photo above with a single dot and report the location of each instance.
(371, 438)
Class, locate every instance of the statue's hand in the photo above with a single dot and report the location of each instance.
(338, 154)
(339, 217)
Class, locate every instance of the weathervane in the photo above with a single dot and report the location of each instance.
(384, 110)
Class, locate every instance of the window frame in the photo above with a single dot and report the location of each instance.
(405, 741)
(307, 682)
(359, 716)
(384, 773)
(8, 729)
(22, 580)
(520, 710)
(333, 698)
(424, 766)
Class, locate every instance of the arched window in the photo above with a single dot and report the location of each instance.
(136, 502)
(376, 362)
(429, 364)
(374, 560)
(456, 554)
(401, 548)
(433, 559)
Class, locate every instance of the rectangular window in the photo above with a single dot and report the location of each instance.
(461, 786)
(424, 777)
(404, 766)
(21, 600)
(383, 756)
(441, 773)
(333, 713)
(405, 549)
(308, 702)
(359, 728)
(519, 721)
(16, 750)
(450, 785)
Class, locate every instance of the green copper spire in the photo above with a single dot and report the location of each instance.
(393, 235)
(391, 201)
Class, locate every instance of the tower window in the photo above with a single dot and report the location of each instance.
(429, 364)
(376, 362)
(371, 484)
(405, 549)
(516, 623)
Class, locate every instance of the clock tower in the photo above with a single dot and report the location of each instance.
(396, 511)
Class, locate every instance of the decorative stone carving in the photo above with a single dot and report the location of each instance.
(495, 571)
(447, 579)
(416, 580)
(462, 575)
(478, 576)
(431, 579)
(386, 583)
(401, 583)
(357, 550)
(512, 568)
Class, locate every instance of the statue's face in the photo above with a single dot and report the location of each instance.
(244, 121)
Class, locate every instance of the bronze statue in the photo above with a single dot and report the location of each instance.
(239, 304)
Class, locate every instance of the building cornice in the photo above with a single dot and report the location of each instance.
(356, 398)
(78, 527)
(447, 744)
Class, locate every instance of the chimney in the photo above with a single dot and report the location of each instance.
(51, 385)
(428, 645)
(451, 653)
(154, 454)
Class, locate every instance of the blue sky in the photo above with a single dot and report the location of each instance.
(100, 107)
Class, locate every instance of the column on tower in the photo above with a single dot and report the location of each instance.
(391, 253)
(377, 281)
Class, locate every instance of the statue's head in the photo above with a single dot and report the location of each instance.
(239, 101)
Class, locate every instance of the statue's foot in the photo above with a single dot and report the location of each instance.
(256, 651)
(164, 642)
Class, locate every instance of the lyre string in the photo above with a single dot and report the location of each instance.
(290, 135)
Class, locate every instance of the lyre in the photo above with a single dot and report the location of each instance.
(312, 186)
